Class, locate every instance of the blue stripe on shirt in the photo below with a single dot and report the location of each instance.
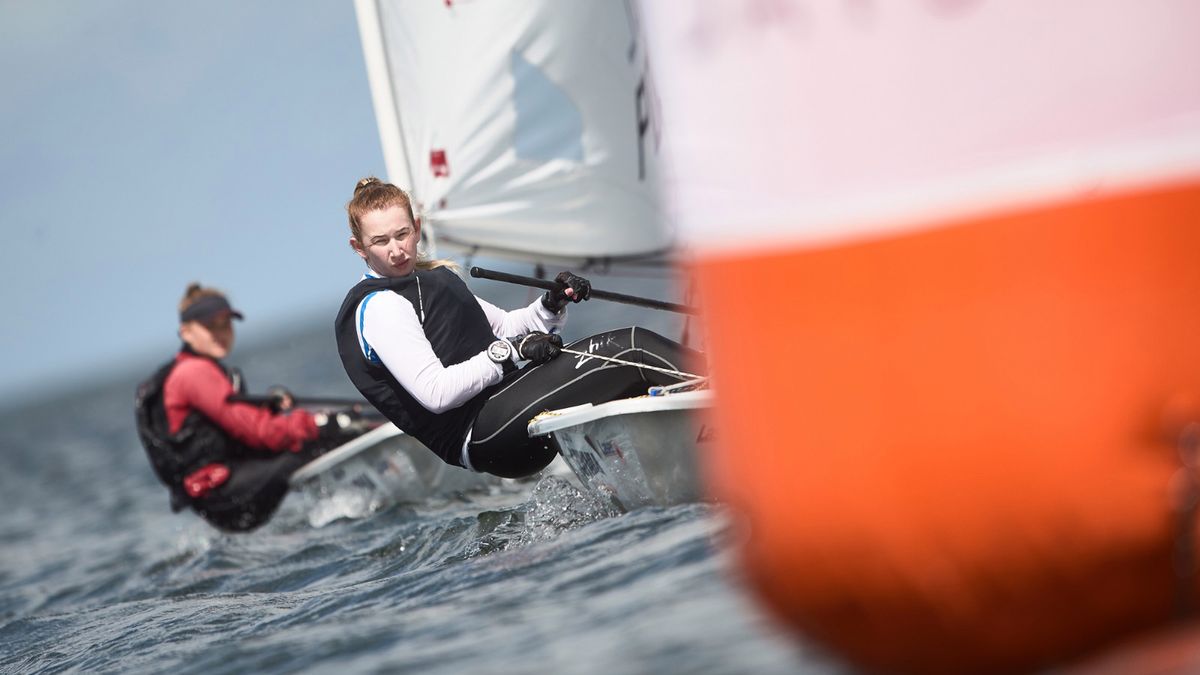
(362, 315)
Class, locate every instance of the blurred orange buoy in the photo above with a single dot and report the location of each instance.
(948, 257)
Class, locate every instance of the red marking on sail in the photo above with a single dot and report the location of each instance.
(437, 162)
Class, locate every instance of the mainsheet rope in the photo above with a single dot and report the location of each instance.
(668, 371)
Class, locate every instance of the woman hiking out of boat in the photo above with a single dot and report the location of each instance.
(442, 364)
(227, 460)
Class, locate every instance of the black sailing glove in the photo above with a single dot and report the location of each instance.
(556, 299)
(538, 347)
(281, 399)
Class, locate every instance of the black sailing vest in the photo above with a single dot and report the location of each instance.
(199, 441)
(455, 326)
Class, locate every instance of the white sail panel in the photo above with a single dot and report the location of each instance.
(527, 127)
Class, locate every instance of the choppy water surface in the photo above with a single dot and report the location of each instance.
(98, 576)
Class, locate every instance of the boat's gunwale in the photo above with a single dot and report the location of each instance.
(345, 451)
(557, 420)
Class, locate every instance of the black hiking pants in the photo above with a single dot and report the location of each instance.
(499, 442)
(256, 486)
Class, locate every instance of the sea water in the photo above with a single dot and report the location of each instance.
(97, 575)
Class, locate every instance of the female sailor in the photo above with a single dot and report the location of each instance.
(229, 461)
(442, 364)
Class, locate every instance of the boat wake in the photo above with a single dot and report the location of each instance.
(557, 505)
(350, 504)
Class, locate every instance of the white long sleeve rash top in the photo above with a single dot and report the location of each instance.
(389, 332)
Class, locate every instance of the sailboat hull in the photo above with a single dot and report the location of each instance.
(636, 452)
(386, 466)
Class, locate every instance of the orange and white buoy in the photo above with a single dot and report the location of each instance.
(949, 253)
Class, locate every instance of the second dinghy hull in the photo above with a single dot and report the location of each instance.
(386, 466)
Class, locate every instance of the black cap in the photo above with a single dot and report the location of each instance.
(207, 307)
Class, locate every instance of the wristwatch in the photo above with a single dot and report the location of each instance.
(500, 351)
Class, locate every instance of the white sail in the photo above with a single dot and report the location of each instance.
(522, 127)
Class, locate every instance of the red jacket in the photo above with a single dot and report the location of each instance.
(198, 383)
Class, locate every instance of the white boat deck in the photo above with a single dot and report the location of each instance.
(556, 420)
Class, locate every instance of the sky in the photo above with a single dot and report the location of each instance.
(149, 144)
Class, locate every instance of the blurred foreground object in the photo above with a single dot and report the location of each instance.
(980, 223)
